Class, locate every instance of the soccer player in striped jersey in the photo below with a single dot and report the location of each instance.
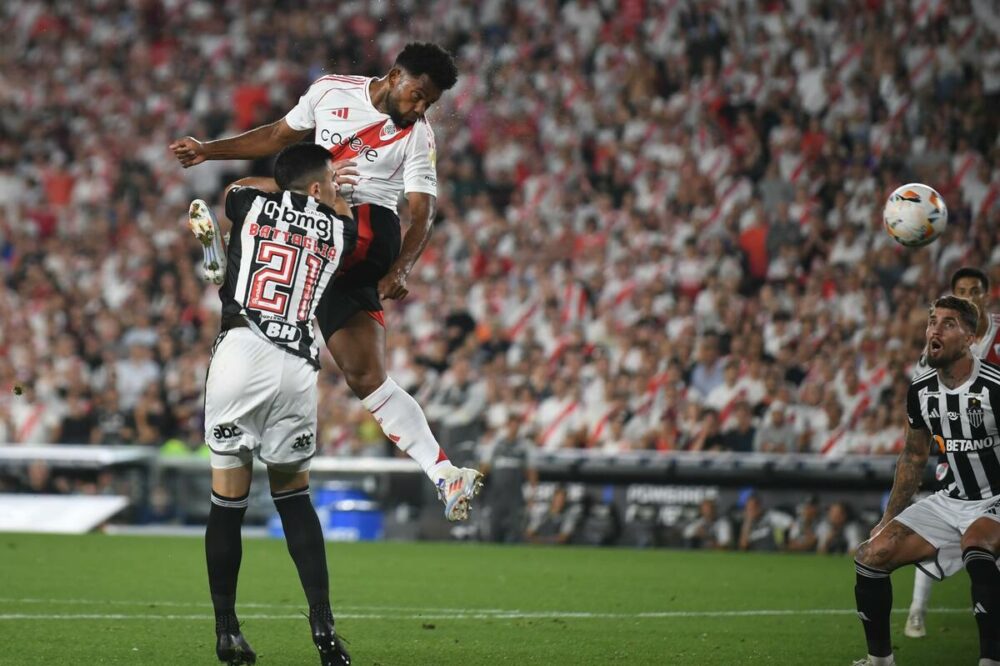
(288, 239)
(971, 284)
(381, 124)
(951, 408)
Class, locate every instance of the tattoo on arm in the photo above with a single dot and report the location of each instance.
(909, 470)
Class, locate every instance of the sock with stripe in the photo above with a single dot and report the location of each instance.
(224, 551)
(873, 594)
(304, 537)
(982, 567)
(402, 421)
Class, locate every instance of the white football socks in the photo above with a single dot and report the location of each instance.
(922, 584)
(402, 421)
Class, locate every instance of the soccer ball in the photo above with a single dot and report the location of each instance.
(915, 215)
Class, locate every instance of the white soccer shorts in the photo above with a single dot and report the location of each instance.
(941, 521)
(259, 400)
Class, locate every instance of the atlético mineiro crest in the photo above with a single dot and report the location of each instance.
(975, 413)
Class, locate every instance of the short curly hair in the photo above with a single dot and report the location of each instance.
(419, 58)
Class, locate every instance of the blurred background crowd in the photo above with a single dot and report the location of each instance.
(659, 220)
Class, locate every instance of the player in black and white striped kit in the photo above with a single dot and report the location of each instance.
(950, 408)
(288, 238)
(973, 285)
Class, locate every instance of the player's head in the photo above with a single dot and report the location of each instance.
(971, 284)
(421, 74)
(951, 328)
(306, 168)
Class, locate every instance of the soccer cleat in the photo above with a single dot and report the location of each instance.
(204, 226)
(231, 647)
(876, 661)
(456, 488)
(915, 627)
(331, 649)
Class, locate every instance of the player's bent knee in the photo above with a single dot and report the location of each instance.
(877, 553)
(363, 384)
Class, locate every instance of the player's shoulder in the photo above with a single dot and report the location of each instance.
(990, 371)
(341, 82)
(922, 378)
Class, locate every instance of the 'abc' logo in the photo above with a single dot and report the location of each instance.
(302, 442)
(226, 432)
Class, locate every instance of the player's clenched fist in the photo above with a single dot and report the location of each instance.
(189, 151)
(393, 286)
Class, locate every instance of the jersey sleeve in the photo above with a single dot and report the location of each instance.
(913, 415)
(420, 162)
(238, 202)
(303, 116)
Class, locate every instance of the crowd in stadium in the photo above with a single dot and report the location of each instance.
(659, 222)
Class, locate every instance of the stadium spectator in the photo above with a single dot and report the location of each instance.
(709, 530)
(760, 528)
(838, 533)
(802, 536)
(557, 523)
(693, 200)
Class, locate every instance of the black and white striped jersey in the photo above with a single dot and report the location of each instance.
(963, 426)
(284, 249)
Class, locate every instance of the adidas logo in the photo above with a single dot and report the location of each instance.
(934, 414)
(341, 113)
(978, 609)
(864, 618)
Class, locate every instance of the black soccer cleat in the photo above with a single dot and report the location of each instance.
(231, 647)
(331, 649)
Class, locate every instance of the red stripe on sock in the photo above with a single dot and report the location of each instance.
(441, 456)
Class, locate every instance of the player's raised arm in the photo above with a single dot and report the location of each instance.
(258, 142)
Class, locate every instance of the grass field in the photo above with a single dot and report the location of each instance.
(143, 600)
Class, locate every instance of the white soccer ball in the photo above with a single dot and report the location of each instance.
(915, 215)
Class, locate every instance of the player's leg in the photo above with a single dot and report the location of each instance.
(238, 389)
(915, 621)
(304, 537)
(980, 545)
(358, 347)
(231, 477)
(894, 546)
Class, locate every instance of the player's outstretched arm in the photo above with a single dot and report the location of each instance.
(393, 285)
(258, 142)
(909, 471)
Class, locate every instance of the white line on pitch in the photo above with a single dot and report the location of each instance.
(186, 604)
(470, 615)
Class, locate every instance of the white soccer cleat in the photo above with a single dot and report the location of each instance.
(915, 627)
(876, 661)
(456, 488)
(204, 226)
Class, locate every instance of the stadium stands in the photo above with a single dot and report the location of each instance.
(657, 218)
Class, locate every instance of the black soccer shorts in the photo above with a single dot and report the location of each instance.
(355, 289)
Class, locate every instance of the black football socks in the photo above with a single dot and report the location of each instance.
(224, 551)
(304, 537)
(982, 567)
(873, 593)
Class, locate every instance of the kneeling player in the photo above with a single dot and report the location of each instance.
(950, 405)
(288, 238)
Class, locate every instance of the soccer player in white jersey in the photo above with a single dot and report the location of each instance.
(973, 285)
(288, 238)
(951, 407)
(379, 123)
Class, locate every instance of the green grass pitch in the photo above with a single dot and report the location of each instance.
(143, 600)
